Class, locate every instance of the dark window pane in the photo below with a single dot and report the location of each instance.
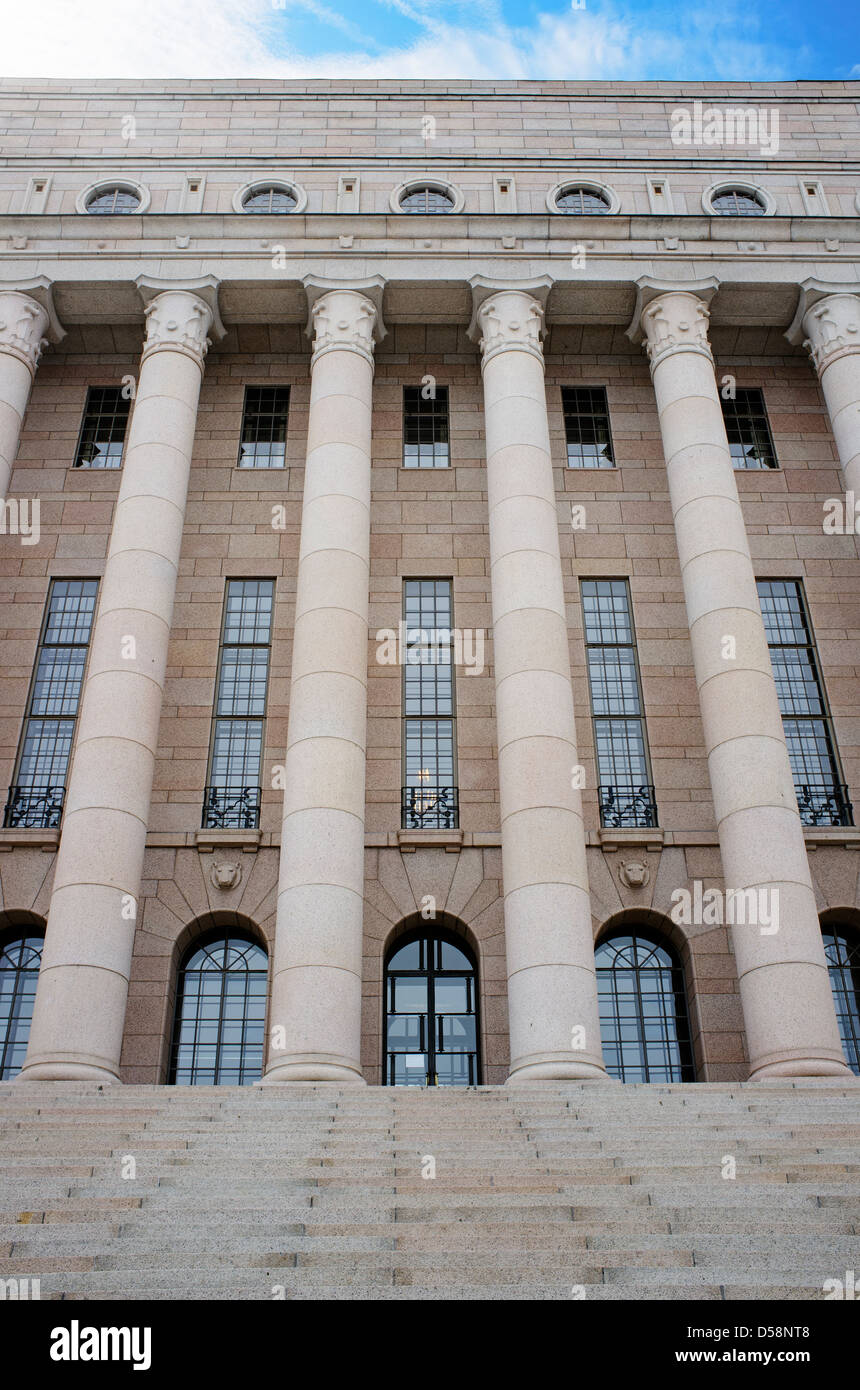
(232, 795)
(425, 427)
(429, 793)
(586, 427)
(114, 200)
(218, 1033)
(102, 436)
(426, 199)
(842, 950)
(264, 427)
(20, 956)
(623, 774)
(748, 430)
(644, 1020)
(822, 797)
(431, 1024)
(270, 200)
(581, 201)
(732, 203)
(36, 795)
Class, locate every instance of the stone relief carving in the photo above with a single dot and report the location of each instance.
(225, 875)
(343, 319)
(510, 319)
(178, 319)
(675, 322)
(634, 873)
(833, 325)
(22, 327)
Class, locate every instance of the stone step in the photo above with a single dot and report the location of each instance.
(320, 1191)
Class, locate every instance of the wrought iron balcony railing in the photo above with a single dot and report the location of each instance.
(34, 806)
(429, 808)
(824, 803)
(231, 807)
(627, 805)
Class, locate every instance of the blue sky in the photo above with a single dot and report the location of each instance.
(756, 40)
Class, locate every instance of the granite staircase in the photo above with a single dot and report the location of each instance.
(554, 1191)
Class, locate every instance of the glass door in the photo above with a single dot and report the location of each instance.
(431, 1014)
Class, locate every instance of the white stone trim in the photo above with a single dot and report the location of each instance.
(421, 181)
(814, 197)
(660, 195)
(753, 190)
(37, 194)
(602, 190)
(127, 185)
(294, 189)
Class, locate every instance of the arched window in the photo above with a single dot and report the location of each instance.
(842, 949)
(426, 198)
(114, 200)
(644, 1020)
(735, 202)
(20, 955)
(431, 1012)
(271, 199)
(220, 1013)
(580, 200)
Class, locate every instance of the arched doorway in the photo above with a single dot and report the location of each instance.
(430, 1030)
(644, 1017)
(220, 1019)
(20, 957)
(842, 949)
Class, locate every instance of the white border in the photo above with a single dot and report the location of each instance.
(590, 186)
(438, 186)
(107, 186)
(766, 199)
(260, 185)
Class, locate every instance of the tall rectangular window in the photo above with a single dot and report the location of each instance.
(586, 427)
(429, 794)
(748, 429)
(232, 795)
(102, 437)
(36, 795)
(822, 797)
(623, 769)
(264, 427)
(425, 427)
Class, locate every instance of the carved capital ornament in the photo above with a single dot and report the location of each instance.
(343, 320)
(832, 326)
(675, 322)
(23, 325)
(511, 319)
(178, 320)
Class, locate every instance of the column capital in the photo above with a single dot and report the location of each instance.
(344, 315)
(343, 320)
(180, 315)
(670, 317)
(23, 327)
(509, 317)
(832, 328)
(37, 290)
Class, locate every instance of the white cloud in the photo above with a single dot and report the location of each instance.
(251, 38)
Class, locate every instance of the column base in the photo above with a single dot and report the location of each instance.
(68, 1071)
(798, 1067)
(309, 1071)
(557, 1070)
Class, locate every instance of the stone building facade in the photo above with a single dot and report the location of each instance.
(571, 236)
